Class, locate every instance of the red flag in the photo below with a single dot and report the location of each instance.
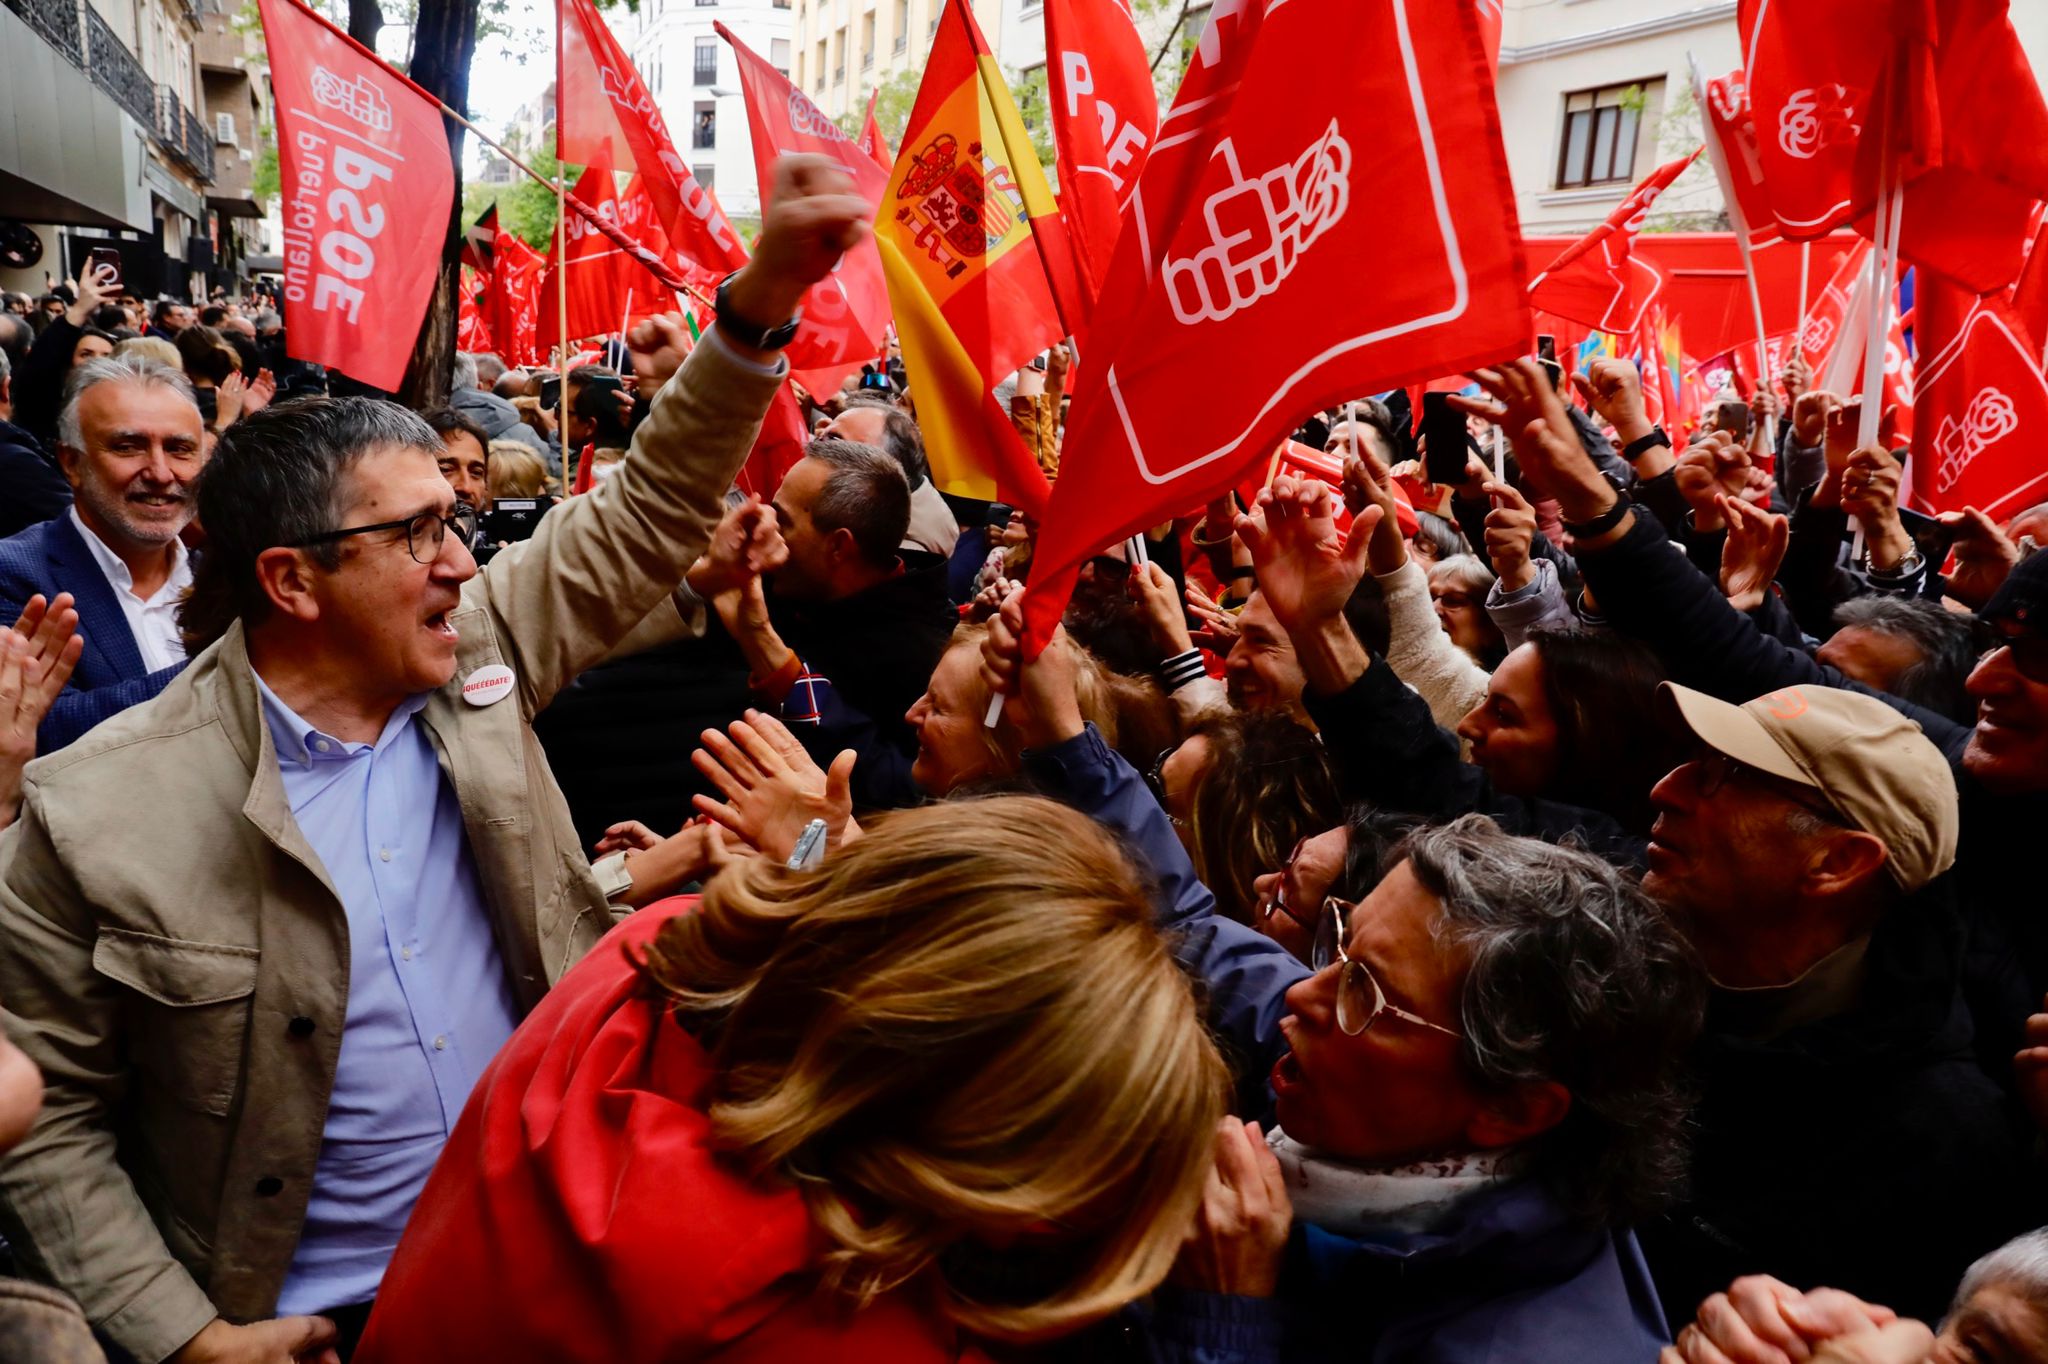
(470, 332)
(871, 140)
(1732, 127)
(1105, 114)
(1983, 415)
(1828, 318)
(779, 446)
(1598, 281)
(1489, 29)
(606, 117)
(479, 241)
(363, 157)
(512, 301)
(602, 279)
(1250, 221)
(846, 314)
(1966, 132)
(2030, 294)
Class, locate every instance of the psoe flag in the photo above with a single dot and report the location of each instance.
(971, 280)
(1317, 240)
(368, 187)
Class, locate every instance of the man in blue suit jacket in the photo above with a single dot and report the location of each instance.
(131, 445)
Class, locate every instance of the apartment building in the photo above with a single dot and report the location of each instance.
(695, 80)
(234, 76)
(845, 49)
(100, 144)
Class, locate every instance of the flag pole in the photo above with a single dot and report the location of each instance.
(1736, 220)
(562, 319)
(1805, 269)
(1883, 271)
(626, 317)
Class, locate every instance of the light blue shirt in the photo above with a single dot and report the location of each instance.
(428, 1000)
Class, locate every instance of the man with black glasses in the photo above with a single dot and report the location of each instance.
(341, 870)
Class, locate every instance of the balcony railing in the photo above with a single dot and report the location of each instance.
(115, 70)
(182, 134)
(902, 42)
(57, 22)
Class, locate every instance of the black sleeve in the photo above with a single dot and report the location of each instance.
(1649, 590)
(39, 387)
(1661, 496)
(1774, 618)
(1389, 753)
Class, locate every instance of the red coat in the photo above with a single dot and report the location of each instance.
(580, 1213)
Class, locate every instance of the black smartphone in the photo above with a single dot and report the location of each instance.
(1546, 356)
(594, 397)
(1443, 428)
(105, 255)
(512, 519)
(551, 391)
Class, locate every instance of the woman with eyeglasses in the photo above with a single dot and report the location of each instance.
(1476, 1085)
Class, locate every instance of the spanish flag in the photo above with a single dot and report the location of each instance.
(968, 230)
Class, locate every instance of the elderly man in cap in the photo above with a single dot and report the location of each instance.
(1846, 1133)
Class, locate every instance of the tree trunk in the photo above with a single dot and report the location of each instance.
(444, 42)
(365, 21)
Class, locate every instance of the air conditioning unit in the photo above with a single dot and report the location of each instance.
(224, 129)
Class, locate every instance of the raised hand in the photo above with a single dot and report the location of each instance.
(658, 348)
(1040, 703)
(628, 835)
(1983, 556)
(1153, 588)
(92, 288)
(813, 216)
(2030, 1068)
(1752, 553)
(1810, 414)
(1712, 467)
(1797, 378)
(1241, 1228)
(1553, 462)
(1217, 630)
(1510, 532)
(1870, 486)
(1386, 551)
(261, 390)
(1306, 570)
(772, 788)
(36, 659)
(746, 544)
(227, 401)
(1615, 390)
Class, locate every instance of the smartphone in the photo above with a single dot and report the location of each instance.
(551, 391)
(105, 255)
(594, 397)
(512, 519)
(1443, 427)
(1546, 348)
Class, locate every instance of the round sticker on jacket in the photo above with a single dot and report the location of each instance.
(487, 684)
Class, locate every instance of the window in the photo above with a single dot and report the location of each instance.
(705, 175)
(867, 41)
(224, 128)
(704, 129)
(778, 54)
(902, 24)
(782, 4)
(706, 70)
(705, 4)
(1601, 129)
(839, 67)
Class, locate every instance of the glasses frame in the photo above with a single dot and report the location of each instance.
(1156, 780)
(1278, 899)
(1717, 769)
(1357, 987)
(463, 520)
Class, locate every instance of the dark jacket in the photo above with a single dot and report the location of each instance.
(1390, 753)
(1511, 1280)
(1867, 1151)
(52, 558)
(39, 382)
(32, 488)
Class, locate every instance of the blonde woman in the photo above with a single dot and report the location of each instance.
(515, 471)
(949, 1085)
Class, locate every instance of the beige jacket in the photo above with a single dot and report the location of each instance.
(174, 958)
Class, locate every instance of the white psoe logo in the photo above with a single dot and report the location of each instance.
(1989, 419)
(1816, 118)
(360, 99)
(1258, 229)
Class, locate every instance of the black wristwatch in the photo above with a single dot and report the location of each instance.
(749, 331)
(1601, 524)
(1642, 445)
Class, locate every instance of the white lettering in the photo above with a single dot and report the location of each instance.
(327, 290)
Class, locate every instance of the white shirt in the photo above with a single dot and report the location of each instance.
(153, 620)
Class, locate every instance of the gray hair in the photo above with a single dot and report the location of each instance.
(131, 367)
(1943, 638)
(488, 367)
(1576, 978)
(866, 494)
(280, 478)
(901, 438)
(2020, 1264)
(6, 366)
(1467, 573)
(465, 371)
(268, 321)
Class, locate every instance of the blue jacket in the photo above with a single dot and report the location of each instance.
(52, 558)
(1512, 1280)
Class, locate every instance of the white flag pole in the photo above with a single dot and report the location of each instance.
(1736, 221)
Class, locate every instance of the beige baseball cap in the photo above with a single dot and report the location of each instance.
(1871, 764)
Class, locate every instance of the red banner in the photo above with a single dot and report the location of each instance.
(471, 333)
(1105, 114)
(603, 280)
(606, 117)
(1983, 417)
(846, 313)
(1732, 127)
(1598, 282)
(368, 187)
(1489, 29)
(1828, 318)
(512, 301)
(871, 140)
(1249, 224)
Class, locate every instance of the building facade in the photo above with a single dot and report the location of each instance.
(235, 83)
(100, 144)
(695, 79)
(846, 49)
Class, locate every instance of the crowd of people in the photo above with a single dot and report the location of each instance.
(1577, 912)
